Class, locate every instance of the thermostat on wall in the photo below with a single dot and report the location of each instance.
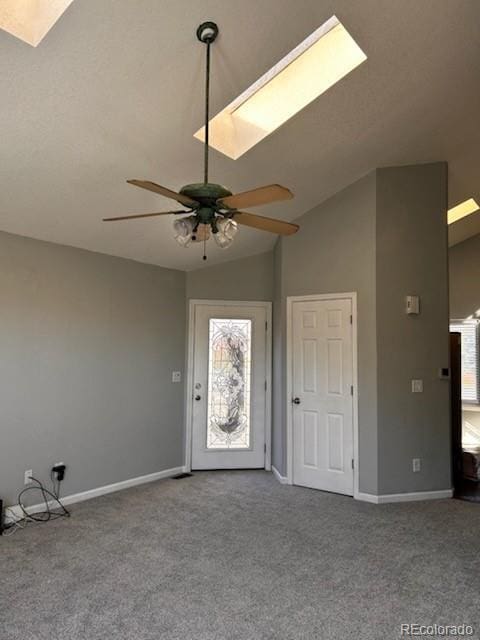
(412, 305)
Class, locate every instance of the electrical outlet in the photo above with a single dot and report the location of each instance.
(415, 464)
(176, 376)
(27, 475)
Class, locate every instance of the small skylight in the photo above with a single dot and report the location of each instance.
(461, 210)
(31, 20)
(316, 64)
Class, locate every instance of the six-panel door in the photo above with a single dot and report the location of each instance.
(322, 358)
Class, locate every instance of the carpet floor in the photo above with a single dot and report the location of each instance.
(237, 556)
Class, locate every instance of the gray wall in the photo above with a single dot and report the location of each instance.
(244, 279)
(384, 237)
(411, 258)
(334, 252)
(88, 343)
(464, 271)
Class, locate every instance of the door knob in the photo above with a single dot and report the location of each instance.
(296, 400)
(197, 398)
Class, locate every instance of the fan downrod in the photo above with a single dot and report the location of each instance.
(207, 32)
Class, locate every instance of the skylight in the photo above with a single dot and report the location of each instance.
(316, 64)
(31, 20)
(461, 210)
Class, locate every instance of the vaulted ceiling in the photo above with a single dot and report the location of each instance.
(115, 91)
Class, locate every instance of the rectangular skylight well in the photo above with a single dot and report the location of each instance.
(31, 20)
(316, 64)
(461, 210)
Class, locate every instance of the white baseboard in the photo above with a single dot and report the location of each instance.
(405, 497)
(15, 512)
(280, 478)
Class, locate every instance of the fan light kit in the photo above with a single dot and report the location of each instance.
(211, 208)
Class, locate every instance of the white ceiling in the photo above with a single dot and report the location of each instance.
(115, 91)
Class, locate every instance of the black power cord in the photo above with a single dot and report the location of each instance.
(48, 513)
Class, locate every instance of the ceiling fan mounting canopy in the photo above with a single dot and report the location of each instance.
(207, 32)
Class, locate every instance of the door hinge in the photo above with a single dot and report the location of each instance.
(351, 390)
(353, 463)
(266, 325)
(265, 448)
(265, 385)
(351, 319)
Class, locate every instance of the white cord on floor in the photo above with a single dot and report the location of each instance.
(17, 523)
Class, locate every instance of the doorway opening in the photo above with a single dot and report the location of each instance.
(465, 409)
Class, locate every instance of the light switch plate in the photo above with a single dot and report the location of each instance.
(412, 305)
(417, 386)
(176, 376)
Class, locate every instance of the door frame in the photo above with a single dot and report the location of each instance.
(193, 304)
(289, 374)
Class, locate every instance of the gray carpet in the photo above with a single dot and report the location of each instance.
(235, 555)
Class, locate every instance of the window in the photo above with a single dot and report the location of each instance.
(469, 337)
(316, 64)
(31, 20)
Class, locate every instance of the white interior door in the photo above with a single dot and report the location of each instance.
(229, 386)
(322, 402)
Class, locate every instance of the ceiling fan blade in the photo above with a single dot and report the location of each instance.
(266, 224)
(142, 215)
(256, 197)
(163, 191)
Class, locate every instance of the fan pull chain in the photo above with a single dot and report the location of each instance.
(205, 247)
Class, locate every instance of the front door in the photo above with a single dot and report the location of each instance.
(229, 385)
(322, 402)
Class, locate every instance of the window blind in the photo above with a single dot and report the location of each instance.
(469, 339)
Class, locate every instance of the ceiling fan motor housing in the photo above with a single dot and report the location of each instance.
(205, 193)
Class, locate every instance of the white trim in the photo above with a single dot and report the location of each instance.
(278, 476)
(366, 497)
(189, 387)
(405, 497)
(289, 364)
(190, 369)
(95, 493)
(268, 390)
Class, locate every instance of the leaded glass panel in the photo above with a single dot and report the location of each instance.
(229, 378)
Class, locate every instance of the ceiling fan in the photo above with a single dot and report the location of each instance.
(211, 207)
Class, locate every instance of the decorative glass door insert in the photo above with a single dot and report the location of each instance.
(229, 379)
